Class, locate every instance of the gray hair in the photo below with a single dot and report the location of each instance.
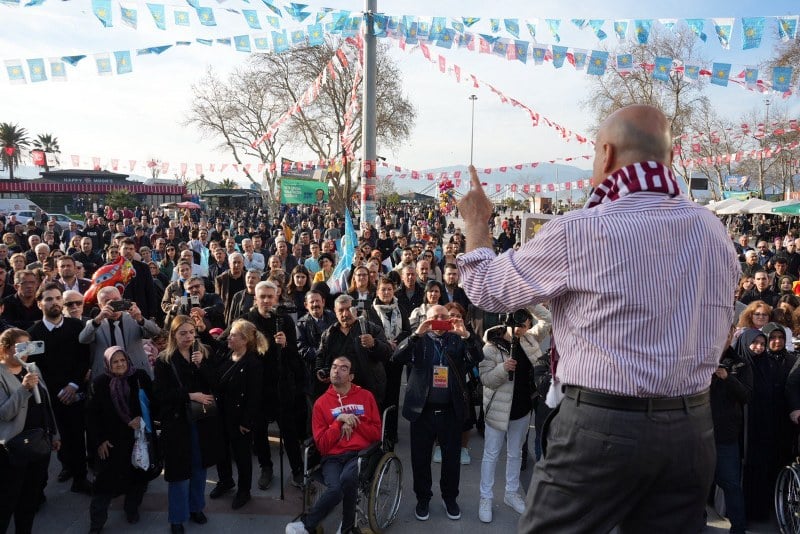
(266, 284)
(344, 298)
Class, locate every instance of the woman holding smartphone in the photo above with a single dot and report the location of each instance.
(184, 375)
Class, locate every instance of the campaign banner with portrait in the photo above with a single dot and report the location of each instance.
(303, 191)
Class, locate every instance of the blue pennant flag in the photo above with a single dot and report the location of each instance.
(500, 48)
(438, 26)
(102, 10)
(447, 38)
(340, 20)
(262, 43)
(33, 3)
(494, 25)
(103, 64)
(159, 15)
(36, 68)
(242, 43)
(379, 24)
(642, 29)
(752, 32)
(411, 33)
(661, 69)
(206, 16)
(457, 26)
(580, 59)
(538, 55)
(621, 29)
(580, 23)
(597, 27)
(16, 74)
(207, 42)
(469, 21)
(394, 23)
(57, 71)
(129, 17)
(692, 72)
(273, 7)
(316, 37)
(467, 40)
(491, 39)
(597, 63)
(724, 28)
(298, 36)
(251, 17)
(668, 23)
(297, 11)
(279, 41)
(157, 50)
(553, 25)
(181, 18)
(353, 25)
(720, 72)
(781, 79)
(696, 25)
(531, 29)
(522, 50)
(123, 58)
(423, 29)
(512, 26)
(347, 246)
(787, 28)
(224, 40)
(322, 14)
(183, 43)
(559, 55)
(194, 4)
(274, 21)
(73, 60)
(624, 62)
(751, 75)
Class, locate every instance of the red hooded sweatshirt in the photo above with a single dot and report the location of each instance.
(328, 431)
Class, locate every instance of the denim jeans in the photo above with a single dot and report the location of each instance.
(493, 444)
(188, 495)
(340, 474)
(728, 476)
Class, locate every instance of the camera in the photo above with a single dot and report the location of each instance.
(29, 347)
(120, 305)
(285, 309)
(517, 318)
(731, 365)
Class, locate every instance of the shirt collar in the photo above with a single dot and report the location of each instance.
(52, 326)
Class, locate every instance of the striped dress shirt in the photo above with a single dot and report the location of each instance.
(641, 291)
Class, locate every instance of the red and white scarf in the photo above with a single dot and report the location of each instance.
(650, 176)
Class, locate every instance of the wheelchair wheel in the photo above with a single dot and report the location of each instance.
(787, 500)
(385, 493)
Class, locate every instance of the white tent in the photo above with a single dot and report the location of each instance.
(745, 207)
(715, 206)
(772, 205)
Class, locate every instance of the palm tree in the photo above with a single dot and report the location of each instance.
(48, 143)
(12, 140)
(227, 183)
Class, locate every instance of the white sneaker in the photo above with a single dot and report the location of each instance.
(296, 528)
(465, 459)
(515, 501)
(437, 455)
(485, 510)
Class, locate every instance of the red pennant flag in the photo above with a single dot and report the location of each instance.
(580, 184)
(198, 168)
(132, 164)
(458, 182)
(475, 83)
(223, 167)
(38, 158)
(496, 188)
(212, 166)
(503, 169)
(95, 162)
(538, 188)
(456, 174)
(165, 167)
(457, 72)
(487, 171)
(534, 165)
(115, 164)
(551, 187)
(183, 168)
(443, 175)
(425, 51)
(414, 175)
(76, 161)
(526, 188)
(513, 188)
(442, 64)
(235, 167)
(568, 186)
(429, 176)
(518, 167)
(484, 46)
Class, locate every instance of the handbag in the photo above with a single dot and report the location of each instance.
(197, 410)
(30, 445)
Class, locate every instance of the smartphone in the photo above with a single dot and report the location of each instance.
(441, 324)
(29, 347)
(184, 301)
(49, 264)
(196, 346)
(195, 300)
(120, 305)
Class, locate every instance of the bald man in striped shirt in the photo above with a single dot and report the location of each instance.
(639, 333)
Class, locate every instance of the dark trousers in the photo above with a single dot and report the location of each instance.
(340, 474)
(20, 492)
(98, 509)
(238, 446)
(646, 472)
(442, 426)
(72, 426)
(394, 376)
(291, 444)
(728, 476)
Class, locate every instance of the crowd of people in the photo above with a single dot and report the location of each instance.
(231, 320)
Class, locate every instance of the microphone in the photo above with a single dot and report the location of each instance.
(514, 345)
(32, 368)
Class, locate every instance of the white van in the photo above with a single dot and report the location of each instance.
(8, 205)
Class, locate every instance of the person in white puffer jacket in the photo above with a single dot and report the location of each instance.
(507, 401)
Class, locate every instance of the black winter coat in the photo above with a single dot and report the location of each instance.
(239, 392)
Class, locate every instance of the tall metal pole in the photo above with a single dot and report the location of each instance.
(368, 161)
(472, 98)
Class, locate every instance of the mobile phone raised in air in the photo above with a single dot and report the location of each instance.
(441, 324)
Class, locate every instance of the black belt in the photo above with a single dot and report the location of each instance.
(635, 404)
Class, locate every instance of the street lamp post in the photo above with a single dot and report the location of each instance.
(472, 98)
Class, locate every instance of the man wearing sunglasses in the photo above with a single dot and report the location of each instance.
(73, 305)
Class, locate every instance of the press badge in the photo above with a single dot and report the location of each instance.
(440, 376)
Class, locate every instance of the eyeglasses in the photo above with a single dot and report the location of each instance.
(195, 286)
(73, 303)
(760, 314)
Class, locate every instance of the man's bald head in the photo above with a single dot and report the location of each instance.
(631, 134)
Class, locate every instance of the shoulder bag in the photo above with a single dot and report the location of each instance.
(196, 410)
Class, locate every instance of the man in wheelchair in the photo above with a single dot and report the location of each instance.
(345, 420)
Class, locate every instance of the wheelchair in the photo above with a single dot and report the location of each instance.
(787, 498)
(380, 482)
